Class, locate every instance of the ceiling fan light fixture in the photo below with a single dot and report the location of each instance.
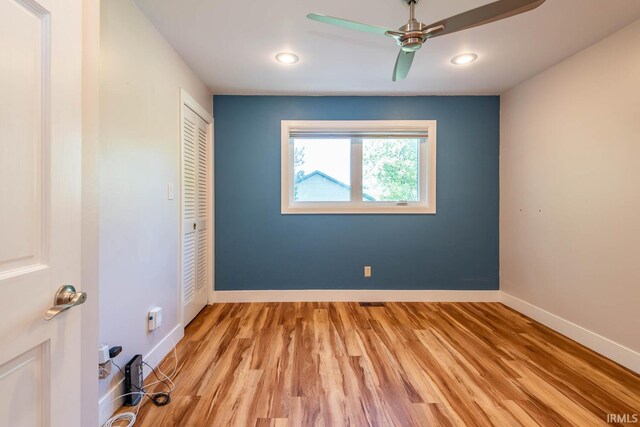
(287, 58)
(464, 58)
(411, 45)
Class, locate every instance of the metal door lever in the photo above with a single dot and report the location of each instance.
(65, 298)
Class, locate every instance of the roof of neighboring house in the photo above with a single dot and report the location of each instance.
(333, 180)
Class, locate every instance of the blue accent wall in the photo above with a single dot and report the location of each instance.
(258, 248)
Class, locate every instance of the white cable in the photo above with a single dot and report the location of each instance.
(167, 377)
(175, 366)
(175, 369)
(125, 416)
(130, 417)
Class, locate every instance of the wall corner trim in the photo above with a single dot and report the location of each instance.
(110, 402)
(626, 357)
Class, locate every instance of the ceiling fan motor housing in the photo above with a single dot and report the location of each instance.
(413, 37)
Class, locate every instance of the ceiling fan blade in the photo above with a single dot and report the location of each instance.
(352, 25)
(483, 15)
(403, 65)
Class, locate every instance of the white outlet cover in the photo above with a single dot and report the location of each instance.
(154, 318)
(103, 354)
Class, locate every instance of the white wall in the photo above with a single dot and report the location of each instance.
(141, 77)
(570, 189)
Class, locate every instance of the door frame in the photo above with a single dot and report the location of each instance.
(187, 101)
(89, 334)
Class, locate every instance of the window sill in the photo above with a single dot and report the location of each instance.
(358, 210)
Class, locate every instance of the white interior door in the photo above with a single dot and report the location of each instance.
(40, 155)
(195, 227)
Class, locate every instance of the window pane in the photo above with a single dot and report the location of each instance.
(390, 169)
(322, 170)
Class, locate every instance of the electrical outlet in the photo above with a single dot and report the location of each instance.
(104, 362)
(367, 271)
(104, 370)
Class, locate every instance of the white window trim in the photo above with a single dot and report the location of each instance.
(427, 203)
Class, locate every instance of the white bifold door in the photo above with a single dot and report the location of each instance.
(196, 235)
(40, 213)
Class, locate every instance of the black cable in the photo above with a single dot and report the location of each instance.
(156, 375)
(161, 398)
(119, 368)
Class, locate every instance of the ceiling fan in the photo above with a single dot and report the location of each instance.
(411, 36)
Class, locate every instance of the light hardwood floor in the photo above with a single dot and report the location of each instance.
(403, 364)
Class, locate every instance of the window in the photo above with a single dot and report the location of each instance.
(354, 167)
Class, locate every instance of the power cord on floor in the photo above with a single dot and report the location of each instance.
(130, 417)
(164, 397)
(158, 398)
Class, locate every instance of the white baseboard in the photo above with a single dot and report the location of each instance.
(355, 295)
(604, 346)
(108, 404)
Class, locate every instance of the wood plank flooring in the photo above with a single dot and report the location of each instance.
(403, 364)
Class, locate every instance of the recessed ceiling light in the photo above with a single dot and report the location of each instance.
(287, 58)
(464, 58)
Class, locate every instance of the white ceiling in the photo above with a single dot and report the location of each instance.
(231, 44)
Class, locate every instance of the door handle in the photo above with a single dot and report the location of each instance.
(65, 298)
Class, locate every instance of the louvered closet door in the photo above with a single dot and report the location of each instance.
(195, 239)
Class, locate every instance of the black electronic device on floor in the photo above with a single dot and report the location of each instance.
(133, 381)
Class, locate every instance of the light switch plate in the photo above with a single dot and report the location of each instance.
(170, 191)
